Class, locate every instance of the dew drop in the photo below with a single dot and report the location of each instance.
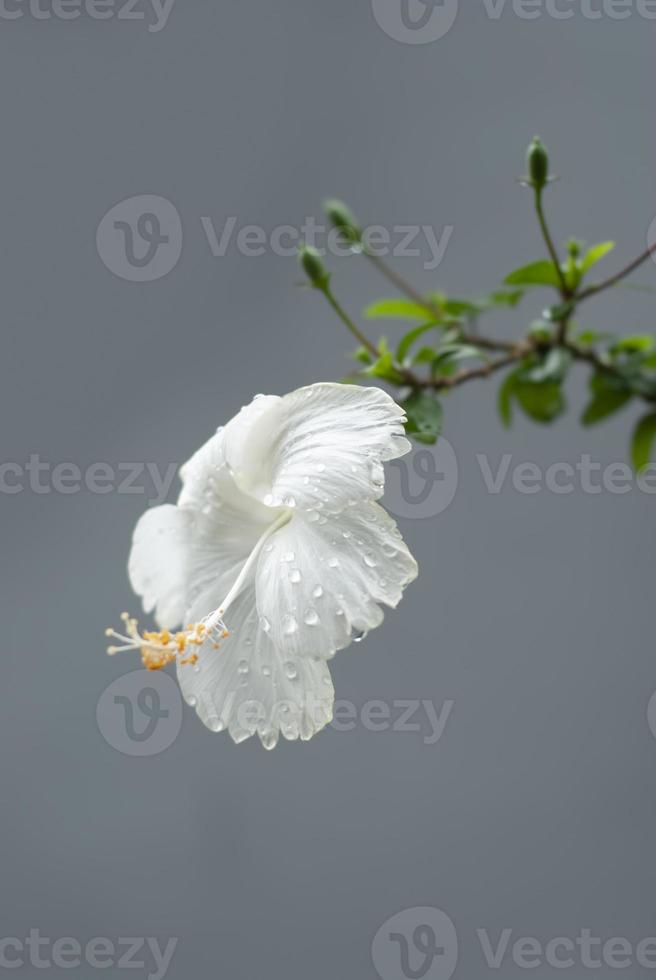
(321, 468)
(388, 551)
(311, 618)
(215, 725)
(266, 671)
(347, 535)
(317, 592)
(289, 625)
(288, 556)
(295, 576)
(333, 563)
(290, 670)
(192, 701)
(269, 739)
(265, 624)
(359, 636)
(290, 501)
(242, 667)
(369, 559)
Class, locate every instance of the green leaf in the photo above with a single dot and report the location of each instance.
(596, 254)
(425, 355)
(643, 440)
(409, 339)
(541, 402)
(553, 367)
(455, 352)
(385, 366)
(461, 307)
(607, 398)
(504, 399)
(541, 273)
(362, 355)
(638, 343)
(505, 298)
(396, 309)
(424, 416)
(589, 337)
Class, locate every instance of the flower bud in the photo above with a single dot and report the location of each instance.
(313, 266)
(342, 218)
(538, 164)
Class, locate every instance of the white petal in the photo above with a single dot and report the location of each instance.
(192, 553)
(318, 447)
(321, 584)
(159, 560)
(249, 686)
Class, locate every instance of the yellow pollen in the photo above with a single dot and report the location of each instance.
(158, 648)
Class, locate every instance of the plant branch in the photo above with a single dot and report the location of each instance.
(400, 283)
(548, 240)
(348, 322)
(613, 280)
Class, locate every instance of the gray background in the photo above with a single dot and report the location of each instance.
(535, 811)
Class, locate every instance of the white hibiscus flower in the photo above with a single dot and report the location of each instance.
(277, 554)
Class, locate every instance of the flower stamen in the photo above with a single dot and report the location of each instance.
(160, 648)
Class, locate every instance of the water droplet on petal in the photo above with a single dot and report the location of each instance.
(317, 592)
(288, 556)
(388, 551)
(215, 725)
(192, 701)
(266, 671)
(290, 670)
(265, 624)
(321, 467)
(290, 501)
(295, 576)
(269, 739)
(359, 636)
(369, 559)
(289, 625)
(333, 563)
(347, 535)
(243, 667)
(311, 618)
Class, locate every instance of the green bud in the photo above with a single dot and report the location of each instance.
(574, 247)
(313, 266)
(342, 218)
(538, 164)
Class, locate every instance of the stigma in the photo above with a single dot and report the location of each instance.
(162, 647)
